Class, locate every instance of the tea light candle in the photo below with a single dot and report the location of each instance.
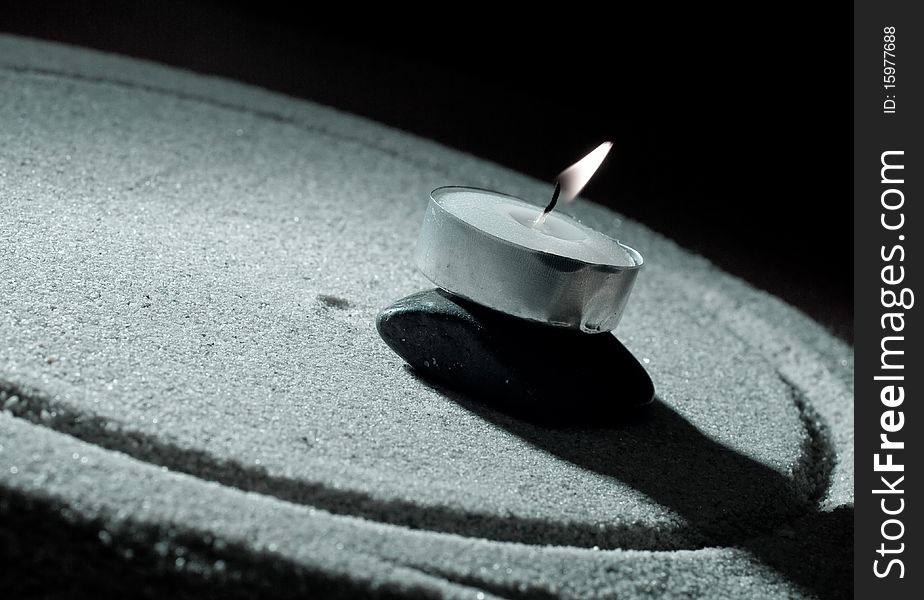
(509, 255)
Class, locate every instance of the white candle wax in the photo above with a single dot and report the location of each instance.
(487, 247)
(514, 220)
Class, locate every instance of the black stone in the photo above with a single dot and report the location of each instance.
(539, 372)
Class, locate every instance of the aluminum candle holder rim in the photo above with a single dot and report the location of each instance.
(515, 278)
(632, 252)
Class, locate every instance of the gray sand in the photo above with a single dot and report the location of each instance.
(191, 270)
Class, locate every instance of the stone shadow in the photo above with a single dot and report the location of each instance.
(609, 425)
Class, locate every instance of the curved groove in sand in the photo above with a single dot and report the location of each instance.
(813, 471)
(230, 106)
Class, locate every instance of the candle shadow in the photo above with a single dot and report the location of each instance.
(726, 498)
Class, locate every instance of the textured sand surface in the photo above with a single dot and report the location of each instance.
(193, 390)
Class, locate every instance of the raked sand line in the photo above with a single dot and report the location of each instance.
(810, 479)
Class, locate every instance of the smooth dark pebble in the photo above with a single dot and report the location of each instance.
(535, 371)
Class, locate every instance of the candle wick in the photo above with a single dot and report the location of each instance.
(554, 201)
(541, 218)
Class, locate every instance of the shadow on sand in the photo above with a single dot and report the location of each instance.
(727, 498)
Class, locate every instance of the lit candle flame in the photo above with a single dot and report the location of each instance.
(574, 178)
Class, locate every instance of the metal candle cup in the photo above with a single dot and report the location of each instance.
(488, 247)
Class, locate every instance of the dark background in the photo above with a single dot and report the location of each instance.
(732, 130)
